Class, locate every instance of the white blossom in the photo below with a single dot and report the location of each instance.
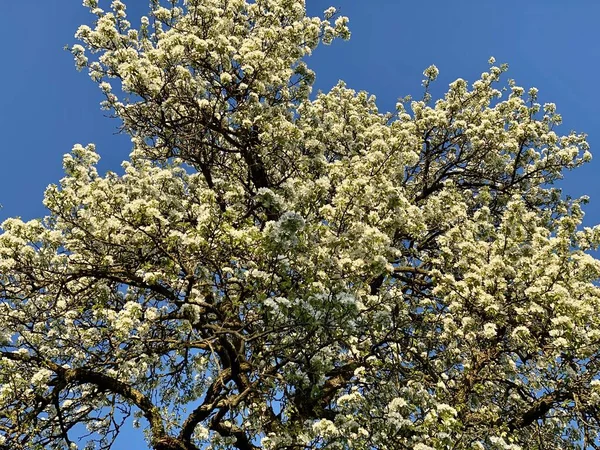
(301, 270)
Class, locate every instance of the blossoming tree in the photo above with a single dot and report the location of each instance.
(280, 272)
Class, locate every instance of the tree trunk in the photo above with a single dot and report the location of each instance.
(171, 443)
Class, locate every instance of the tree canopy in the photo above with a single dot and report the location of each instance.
(273, 270)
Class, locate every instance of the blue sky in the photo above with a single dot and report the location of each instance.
(47, 106)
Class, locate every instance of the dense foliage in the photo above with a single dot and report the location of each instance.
(280, 272)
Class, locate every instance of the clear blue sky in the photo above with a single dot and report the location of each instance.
(47, 106)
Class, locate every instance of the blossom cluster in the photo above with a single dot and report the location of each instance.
(270, 267)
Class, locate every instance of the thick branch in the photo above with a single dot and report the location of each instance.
(538, 410)
(105, 382)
